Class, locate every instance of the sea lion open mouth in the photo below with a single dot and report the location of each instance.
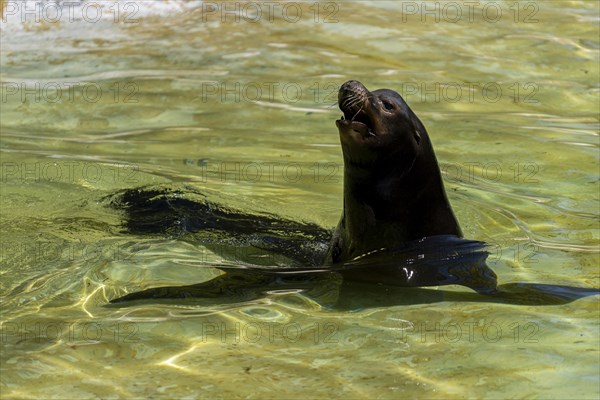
(359, 122)
(353, 99)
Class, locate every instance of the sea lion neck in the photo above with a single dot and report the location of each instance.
(387, 207)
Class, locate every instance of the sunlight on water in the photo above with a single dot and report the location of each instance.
(105, 95)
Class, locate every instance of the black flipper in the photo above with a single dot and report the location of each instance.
(177, 212)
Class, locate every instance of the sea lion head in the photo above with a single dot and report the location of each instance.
(377, 127)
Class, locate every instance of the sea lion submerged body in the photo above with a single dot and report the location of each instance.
(397, 226)
(393, 189)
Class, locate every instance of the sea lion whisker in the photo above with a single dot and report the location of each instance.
(354, 116)
(349, 102)
(352, 103)
(352, 99)
(356, 102)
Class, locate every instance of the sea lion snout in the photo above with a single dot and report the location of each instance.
(351, 86)
(352, 96)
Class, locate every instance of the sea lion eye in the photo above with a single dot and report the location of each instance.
(387, 105)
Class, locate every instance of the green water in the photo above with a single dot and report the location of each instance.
(244, 110)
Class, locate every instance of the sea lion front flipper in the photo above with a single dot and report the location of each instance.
(434, 261)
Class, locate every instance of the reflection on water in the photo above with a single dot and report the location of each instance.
(166, 93)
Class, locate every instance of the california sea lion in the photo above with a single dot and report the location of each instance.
(397, 226)
(393, 189)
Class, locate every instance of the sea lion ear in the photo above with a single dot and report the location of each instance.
(417, 136)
